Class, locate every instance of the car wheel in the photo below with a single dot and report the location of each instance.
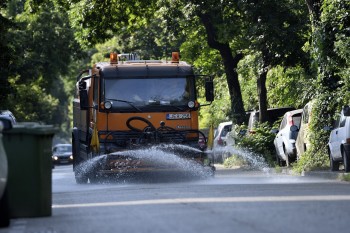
(346, 161)
(333, 164)
(4, 213)
(278, 160)
(287, 157)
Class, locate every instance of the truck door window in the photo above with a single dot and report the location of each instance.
(95, 90)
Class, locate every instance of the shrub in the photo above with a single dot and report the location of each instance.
(260, 143)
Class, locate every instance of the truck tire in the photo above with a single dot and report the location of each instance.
(346, 161)
(80, 177)
(333, 164)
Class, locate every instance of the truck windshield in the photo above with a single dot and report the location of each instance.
(142, 92)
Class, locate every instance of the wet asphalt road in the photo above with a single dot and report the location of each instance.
(232, 201)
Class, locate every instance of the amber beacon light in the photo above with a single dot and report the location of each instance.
(113, 57)
(175, 57)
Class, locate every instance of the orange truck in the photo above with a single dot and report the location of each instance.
(130, 105)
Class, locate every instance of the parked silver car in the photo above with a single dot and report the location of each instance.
(339, 141)
(220, 141)
(286, 137)
(302, 142)
(5, 123)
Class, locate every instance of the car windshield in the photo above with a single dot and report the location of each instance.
(62, 149)
(225, 130)
(139, 92)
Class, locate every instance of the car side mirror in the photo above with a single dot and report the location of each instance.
(274, 131)
(294, 128)
(209, 91)
(84, 99)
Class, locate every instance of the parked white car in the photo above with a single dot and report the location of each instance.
(5, 123)
(286, 137)
(273, 114)
(339, 141)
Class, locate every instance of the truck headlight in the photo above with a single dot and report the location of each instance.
(190, 104)
(108, 104)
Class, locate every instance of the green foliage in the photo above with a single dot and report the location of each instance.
(345, 177)
(289, 87)
(6, 53)
(39, 52)
(271, 22)
(248, 70)
(43, 48)
(261, 142)
(24, 97)
(330, 33)
(96, 21)
(321, 115)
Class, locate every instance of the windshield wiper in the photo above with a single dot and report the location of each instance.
(128, 102)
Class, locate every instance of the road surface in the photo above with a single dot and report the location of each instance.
(232, 201)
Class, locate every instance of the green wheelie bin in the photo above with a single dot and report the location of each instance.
(28, 147)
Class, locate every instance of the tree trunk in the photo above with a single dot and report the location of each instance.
(230, 64)
(262, 95)
(314, 9)
(261, 85)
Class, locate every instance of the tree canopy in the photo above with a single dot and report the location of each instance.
(266, 53)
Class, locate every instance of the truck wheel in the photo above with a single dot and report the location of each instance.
(4, 213)
(346, 161)
(81, 179)
(333, 164)
(93, 178)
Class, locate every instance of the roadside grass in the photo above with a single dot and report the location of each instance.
(278, 169)
(234, 161)
(345, 177)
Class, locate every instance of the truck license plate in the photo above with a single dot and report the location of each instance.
(178, 116)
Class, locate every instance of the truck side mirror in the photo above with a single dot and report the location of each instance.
(84, 101)
(209, 91)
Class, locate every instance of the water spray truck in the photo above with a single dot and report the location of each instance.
(130, 105)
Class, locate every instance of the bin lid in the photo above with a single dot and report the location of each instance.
(32, 128)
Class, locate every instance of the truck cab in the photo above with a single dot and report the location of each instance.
(126, 105)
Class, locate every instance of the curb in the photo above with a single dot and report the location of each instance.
(324, 174)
